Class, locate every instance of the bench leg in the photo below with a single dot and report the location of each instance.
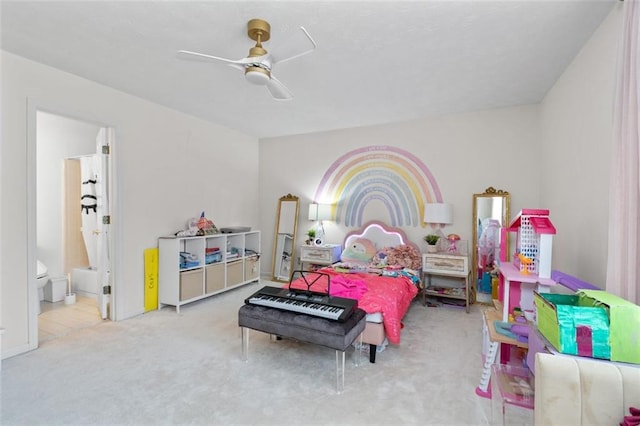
(372, 353)
(245, 344)
(340, 355)
(358, 352)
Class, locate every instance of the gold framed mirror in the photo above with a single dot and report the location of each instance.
(490, 213)
(284, 241)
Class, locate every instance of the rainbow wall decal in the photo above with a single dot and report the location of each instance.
(392, 176)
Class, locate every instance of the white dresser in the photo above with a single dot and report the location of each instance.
(326, 254)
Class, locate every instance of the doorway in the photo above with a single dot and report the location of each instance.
(74, 249)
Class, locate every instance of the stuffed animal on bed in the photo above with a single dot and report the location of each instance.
(360, 250)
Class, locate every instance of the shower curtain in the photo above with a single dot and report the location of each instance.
(89, 207)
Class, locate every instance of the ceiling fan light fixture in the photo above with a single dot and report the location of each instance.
(258, 65)
(257, 75)
(257, 51)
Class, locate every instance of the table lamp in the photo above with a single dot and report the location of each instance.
(438, 215)
(319, 213)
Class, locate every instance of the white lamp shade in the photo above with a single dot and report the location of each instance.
(313, 211)
(324, 212)
(320, 211)
(438, 213)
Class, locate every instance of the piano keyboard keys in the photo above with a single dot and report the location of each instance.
(310, 303)
(310, 308)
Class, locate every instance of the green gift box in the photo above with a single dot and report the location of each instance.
(591, 323)
(624, 324)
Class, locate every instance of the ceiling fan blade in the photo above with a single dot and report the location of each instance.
(278, 90)
(295, 47)
(186, 54)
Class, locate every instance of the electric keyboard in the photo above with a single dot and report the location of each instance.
(305, 302)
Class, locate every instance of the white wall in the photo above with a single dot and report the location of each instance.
(554, 155)
(577, 128)
(466, 154)
(169, 167)
(58, 138)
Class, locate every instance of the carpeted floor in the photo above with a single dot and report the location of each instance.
(167, 368)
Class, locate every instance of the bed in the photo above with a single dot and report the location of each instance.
(380, 268)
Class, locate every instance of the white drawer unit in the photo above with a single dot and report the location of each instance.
(326, 254)
(443, 263)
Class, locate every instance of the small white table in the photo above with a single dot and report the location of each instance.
(326, 254)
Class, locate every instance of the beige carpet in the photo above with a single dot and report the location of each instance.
(164, 368)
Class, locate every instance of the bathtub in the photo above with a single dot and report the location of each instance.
(84, 281)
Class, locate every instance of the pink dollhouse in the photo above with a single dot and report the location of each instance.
(530, 268)
(533, 242)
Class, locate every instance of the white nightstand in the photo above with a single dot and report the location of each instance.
(452, 266)
(326, 254)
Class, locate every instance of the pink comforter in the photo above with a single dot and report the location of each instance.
(389, 295)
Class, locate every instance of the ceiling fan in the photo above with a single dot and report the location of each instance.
(258, 65)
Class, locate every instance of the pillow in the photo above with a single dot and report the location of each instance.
(405, 256)
(359, 250)
(380, 259)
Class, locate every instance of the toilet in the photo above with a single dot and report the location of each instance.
(42, 278)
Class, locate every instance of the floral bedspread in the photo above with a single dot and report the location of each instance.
(389, 295)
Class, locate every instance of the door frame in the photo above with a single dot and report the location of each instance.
(33, 107)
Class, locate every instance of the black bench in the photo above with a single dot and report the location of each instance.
(305, 328)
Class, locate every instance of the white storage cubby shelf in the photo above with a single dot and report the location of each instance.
(192, 268)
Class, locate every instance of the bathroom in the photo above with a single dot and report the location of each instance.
(67, 226)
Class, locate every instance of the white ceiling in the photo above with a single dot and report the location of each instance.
(376, 61)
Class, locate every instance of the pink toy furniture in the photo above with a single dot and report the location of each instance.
(516, 289)
(510, 386)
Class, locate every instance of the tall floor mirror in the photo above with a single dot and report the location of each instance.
(285, 237)
(490, 213)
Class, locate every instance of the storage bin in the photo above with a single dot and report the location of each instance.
(235, 273)
(573, 325)
(624, 324)
(191, 284)
(590, 321)
(214, 278)
(251, 269)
